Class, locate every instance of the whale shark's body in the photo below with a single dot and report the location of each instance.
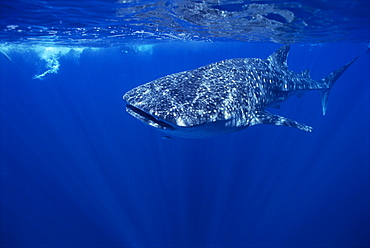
(224, 97)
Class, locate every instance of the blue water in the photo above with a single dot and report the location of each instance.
(78, 171)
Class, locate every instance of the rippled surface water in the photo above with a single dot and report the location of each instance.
(106, 23)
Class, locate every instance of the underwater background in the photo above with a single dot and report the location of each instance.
(78, 171)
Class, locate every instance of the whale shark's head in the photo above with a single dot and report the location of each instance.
(184, 111)
(163, 112)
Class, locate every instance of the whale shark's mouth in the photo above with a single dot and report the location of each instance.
(148, 118)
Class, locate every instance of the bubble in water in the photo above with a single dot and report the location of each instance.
(52, 55)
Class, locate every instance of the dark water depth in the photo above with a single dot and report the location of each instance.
(77, 171)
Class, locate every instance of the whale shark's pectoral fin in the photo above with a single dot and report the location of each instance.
(264, 117)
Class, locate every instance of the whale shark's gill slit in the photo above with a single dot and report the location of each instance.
(149, 119)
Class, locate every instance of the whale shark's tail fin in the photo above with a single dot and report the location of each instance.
(329, 81)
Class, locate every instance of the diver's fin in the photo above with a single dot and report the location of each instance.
(279, 58)
(329, 81)
(264, 117)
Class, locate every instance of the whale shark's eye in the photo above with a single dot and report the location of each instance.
(148, 118)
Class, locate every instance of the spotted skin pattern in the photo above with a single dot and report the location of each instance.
(224, 97)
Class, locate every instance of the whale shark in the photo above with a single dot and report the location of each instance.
(225, 97)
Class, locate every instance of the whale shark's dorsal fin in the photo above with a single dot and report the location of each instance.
(279, 58)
